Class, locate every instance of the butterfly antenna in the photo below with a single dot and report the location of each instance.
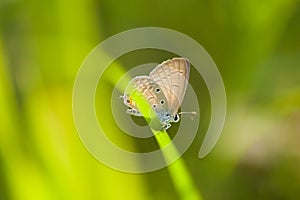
(189, 113)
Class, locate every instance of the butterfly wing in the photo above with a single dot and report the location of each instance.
(172, 77)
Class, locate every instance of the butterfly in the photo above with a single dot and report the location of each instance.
(163, 89)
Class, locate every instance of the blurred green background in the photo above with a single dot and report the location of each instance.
(255, 44)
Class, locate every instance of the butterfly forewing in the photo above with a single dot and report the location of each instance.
(172, 76)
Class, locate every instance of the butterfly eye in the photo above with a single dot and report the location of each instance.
(154, 105)
(128, 101)
(157, 90)
(176, 118)
(162, 102)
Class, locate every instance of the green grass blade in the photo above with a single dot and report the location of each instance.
(178, 171)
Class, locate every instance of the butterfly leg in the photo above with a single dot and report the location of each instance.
(134, 112)
(166, 126)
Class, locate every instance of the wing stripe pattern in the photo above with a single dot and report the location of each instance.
(160, 76)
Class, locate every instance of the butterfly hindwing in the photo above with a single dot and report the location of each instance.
(150, 90)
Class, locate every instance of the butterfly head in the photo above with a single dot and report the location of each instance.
(166, 118)
(176, 118)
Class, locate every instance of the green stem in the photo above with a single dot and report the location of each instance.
(179, 173)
